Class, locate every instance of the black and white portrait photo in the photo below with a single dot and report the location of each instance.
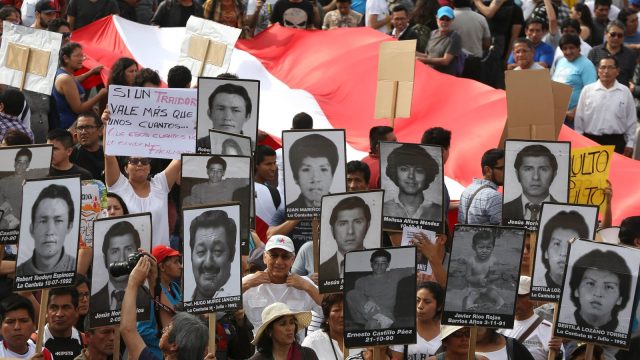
(412, 178)
(224, 143)
(115, 253)
(598, 293)
(211, 272)
(534, 172)
(379, 289)
(348, 222)
(17, 164)
(559, 223)
(226, 105)
(483, 275)
(314, 166)
(48, 245)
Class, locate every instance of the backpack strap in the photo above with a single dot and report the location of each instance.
(466, 211)
(530, 329)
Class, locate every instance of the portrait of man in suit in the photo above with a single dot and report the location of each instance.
(536, 168)
(349, 221)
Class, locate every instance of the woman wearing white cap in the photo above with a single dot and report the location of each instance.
(276, 337)
(455, 340)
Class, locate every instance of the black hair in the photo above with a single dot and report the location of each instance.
(597, 3)
(570, 220)
(228, 76)
(13, 101)
(121, 228)
(312, 146)
(343, 1)
(261, 152)
(55, 24)
(54, 191)
(118, 70)
(69, 290)
(572, 23)
(349, 203)
(7, 10)
(525, 41)
(328, 300)
(147, 75)
(91, 115)
(582, 349)
(381, 253)
(413, 155)
(15, 302)
(265, 342)
(629, 230)
(215, 219)
(357, 165)
(24, 152)
(81, 279)
(16, 137)
(535, 151)
(233, 89)
(377, 134)
(437, 292)
(67, 50)
(125, 210)
(535, 20)
(61, 135)
(609, 57)
(461, 3)
(437, 136)
(585, 15)
(215, 159)
(483, 235)
(302, 121)
(569, 39)
(399, 8)
(615, 264)
(491, 157)
(179, 77)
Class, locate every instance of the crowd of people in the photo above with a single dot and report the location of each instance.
(590, 46)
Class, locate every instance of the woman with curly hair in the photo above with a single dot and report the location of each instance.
(123, 72)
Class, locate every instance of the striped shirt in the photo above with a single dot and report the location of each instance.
(486, 207)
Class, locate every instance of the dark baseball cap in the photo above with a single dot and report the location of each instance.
(45, 6)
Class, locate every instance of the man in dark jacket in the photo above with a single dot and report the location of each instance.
(175, 13)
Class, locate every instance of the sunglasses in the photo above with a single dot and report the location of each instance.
(616, 35)
(461, 333)
(139, 161)
(66, 35)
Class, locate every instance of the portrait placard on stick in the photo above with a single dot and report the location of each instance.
(29, 57)
(94, 205)
(212, 267)
(380, 297)
(534, 171)
(211, 179)
(227, 105)
(589, 173)
(348, 222)
(314, 166)
(115, 254)
(48, 245)
(482, 280)
(207, 47)
(151, 122)
(559, 223)
(224, 143)
(412, 177)
(598, 293)
(17, 164)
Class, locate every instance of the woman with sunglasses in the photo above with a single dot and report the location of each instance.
(139, 191)
(68, 93)
(455, 342)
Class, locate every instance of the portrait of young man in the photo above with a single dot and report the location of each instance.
(49, 241)
(224, 176)
(536, 172)
(226, 105)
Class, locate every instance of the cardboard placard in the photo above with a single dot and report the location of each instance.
(151, 122)
(589, 173)
(396, 70)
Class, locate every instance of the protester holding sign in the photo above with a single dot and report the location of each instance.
(455, 341)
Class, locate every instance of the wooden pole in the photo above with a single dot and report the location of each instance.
(116, 344)
(473, 336)
(552, 353)
(589, 352)
(315, 234)
(212, 333)
(42, 318)
(379, 352)
(533, 238)
(24, 69)
(204, 61)
(394, 103)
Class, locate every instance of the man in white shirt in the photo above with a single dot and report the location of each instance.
(606, 110)
(530, 329)
(377, 15)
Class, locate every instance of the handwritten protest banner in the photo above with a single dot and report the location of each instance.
(589, 174)
(151, 122)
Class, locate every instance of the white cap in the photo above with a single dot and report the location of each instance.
(525, 285)
(280, 242)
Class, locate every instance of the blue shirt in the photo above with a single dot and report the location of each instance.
(632, 39)
(577, 74)
(359, 6)
(543, 53)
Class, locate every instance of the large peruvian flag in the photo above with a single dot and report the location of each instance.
(332, 76)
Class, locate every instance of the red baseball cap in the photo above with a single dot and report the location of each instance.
(161, 252)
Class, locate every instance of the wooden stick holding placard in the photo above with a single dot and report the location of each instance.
(116, 344)
(379, 352)
(212, 333)
(315, 223)
(533, 239)
(394, 103)
(24, 69)
(552, 353)
(473, 336)
(589, 352)
(204, 60)
(42, 318)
